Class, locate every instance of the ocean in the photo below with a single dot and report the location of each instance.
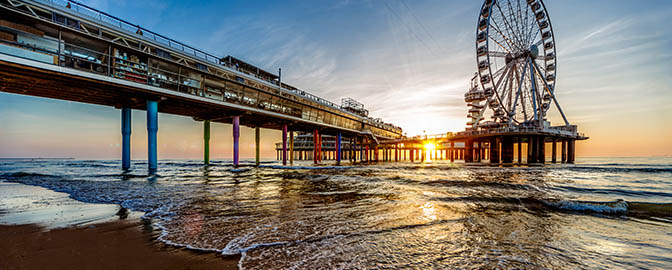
(601, 213)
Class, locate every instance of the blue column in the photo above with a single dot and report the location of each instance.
(125, 138)
(152, 129)
(338, 149)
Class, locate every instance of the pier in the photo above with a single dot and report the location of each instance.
(69, 51)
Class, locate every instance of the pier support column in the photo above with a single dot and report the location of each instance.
(563, 157)
(206, 142)
(507, 150)
(236, 137)
(532, 152)
(468, 151)
(571, 151)
(316, 140)
(284, 145)
(257, 140)
(125, 138)
(412, 155)
(494, 151)
(554, 152)
(541, 157)
(338, 149)
(291, 148)
(520, 150)
(452, 151)
(152, 130)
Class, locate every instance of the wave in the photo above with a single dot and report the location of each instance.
(613, 191)
(647, 169)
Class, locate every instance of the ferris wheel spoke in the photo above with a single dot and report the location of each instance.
(519, 32)
(520, 17)
(530, 31)
(509, 42)
(497, 54)
(499, 44)
(518, 94)
(515, 37)
(510, 81)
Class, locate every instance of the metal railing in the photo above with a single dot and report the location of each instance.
(148, 35)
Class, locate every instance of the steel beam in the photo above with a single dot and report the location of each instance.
(125, 138)
(152, 130)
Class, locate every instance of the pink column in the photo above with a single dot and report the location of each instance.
(284, 144)
(236, 136)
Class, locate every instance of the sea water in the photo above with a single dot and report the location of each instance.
(597, 214)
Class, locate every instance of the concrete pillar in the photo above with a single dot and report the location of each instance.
(125, 138)
(338, 148)
(315, 142)
(571, 151)
(291, 147)
(468, 151)
(257, 141)
(452, 151)
(541, 158)
(284, 145)
(236, 141)
(563, 157)
(520, 150)
(412, 155)
(554, 152)
(507, 150)
(532, 152)
(152, 130)
(206, 142)
(494, 151)
(367, 154)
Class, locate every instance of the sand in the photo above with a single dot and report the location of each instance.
(44, 229)
(112, 245)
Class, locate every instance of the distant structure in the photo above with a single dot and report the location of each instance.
(514, 87)
(515, 84)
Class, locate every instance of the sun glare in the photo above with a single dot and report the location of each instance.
(429, 148)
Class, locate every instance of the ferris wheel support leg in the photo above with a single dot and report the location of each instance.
(555, 101)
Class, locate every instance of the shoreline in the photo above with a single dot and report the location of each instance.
(45, 229)
(111, 245)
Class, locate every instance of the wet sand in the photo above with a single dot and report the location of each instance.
(43, 229)
(112, 245)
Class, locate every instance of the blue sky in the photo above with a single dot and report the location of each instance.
(408, 61)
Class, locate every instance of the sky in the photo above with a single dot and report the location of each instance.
(408, 61)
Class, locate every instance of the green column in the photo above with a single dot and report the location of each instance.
(256, 142)
(206, 142)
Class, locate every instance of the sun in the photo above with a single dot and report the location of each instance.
(430, 146)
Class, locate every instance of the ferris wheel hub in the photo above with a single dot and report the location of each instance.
(534, 51)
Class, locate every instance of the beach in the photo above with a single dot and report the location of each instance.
(52, 231)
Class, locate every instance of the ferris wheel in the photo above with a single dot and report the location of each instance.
(516, 59)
